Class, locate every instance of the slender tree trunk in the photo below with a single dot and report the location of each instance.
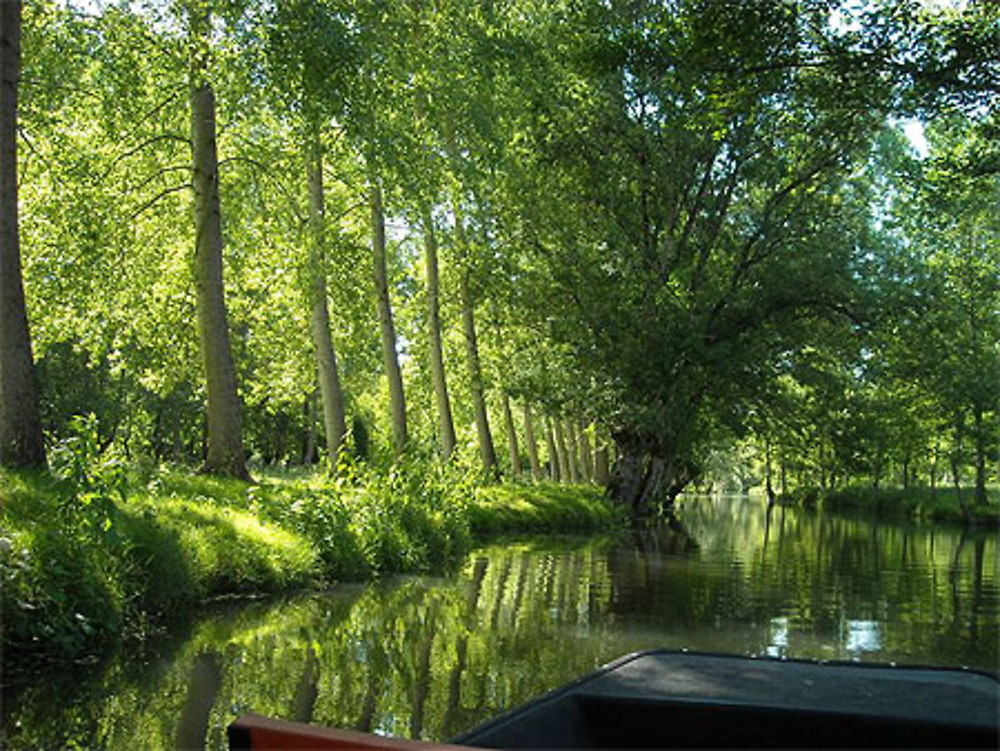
(565, 465)
(21, 442)
(555, 465)
(486, 450)
(935, 455)
(397, 402)
(767, 471)
(586, 455)
(309, 409)
(225, 439)
(334, 422)
(980, 493)
(446, 425)
(956, 462)
(529, 437)
(783, 472)
(602, 474)
(515, 459)
(575, 471)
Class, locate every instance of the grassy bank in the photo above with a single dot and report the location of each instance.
(84, 563)
(942, 504)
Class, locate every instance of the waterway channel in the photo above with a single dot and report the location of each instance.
(429, 657)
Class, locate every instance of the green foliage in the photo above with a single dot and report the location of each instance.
(94, 478)
(180, 538)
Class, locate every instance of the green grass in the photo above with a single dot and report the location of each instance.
(921, 503)
(69, 585)
(544, 507)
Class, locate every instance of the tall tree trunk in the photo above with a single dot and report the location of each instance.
(575, 473)
(21, 442)
(309, 410)
(565, 466)
(555, 465)
(446, 425)
(980, 493)
(529, 437)
(486, 450)
(225, 439)
(334, 422)
(397, 402)
(767, 471)
(515, 459)
(602, 472)
(586, 455)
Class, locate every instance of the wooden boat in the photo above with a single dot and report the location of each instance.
(663, 699)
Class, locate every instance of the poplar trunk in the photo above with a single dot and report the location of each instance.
(564, 463)
(334, 421)
(586, 455)
(225, 453)
(486, 450)
(397, 403)
(574, 453)
(555, 466)
(446, 425)
(601, 472)
(529, 437)
(515, 459)
(21, 442)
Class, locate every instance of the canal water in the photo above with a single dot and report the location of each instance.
(429, 657)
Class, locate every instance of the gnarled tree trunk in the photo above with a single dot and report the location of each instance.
(21, 443)
(647, 475)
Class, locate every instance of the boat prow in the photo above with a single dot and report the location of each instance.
(662, 699)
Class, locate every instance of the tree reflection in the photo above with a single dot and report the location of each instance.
(431, 657)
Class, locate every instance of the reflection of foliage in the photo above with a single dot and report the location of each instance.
(430, 657)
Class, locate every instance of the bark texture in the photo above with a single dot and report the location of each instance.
(21, 443)
(648, 475)
(446, 425)
(565, 473)
(486, 449)
(586, 455)
(602, 473)
(575, 475)
(334, 420)
(555, 466)
(225, 439)
(397, 403)
(529, 438)
(515, 459)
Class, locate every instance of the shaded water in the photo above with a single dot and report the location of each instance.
(430, 657)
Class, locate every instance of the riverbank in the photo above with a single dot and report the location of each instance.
(84, 567)
(922, 504)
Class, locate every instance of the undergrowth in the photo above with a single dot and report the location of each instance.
(96, 549)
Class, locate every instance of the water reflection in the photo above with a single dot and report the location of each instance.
(429, 657)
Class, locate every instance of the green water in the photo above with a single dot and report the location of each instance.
(430, 657)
